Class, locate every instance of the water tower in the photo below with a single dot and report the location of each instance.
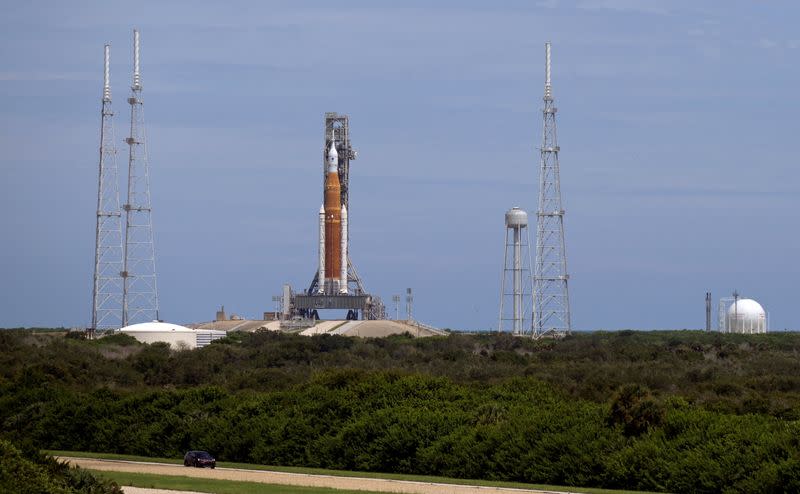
(516, 288)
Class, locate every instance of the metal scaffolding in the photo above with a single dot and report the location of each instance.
(107, 286)
(551, 311)
(140, 291)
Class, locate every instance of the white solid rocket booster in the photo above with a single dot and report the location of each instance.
(343, 283)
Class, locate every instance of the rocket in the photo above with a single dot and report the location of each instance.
(332, 277)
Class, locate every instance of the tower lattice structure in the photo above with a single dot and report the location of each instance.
(140, 291)
(107, 286)
(551, 310)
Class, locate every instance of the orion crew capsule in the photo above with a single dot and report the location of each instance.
(333, 230)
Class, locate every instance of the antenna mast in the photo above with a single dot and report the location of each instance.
(140, 292)
(107, 286)
(551, 312)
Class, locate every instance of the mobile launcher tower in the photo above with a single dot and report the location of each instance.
(336, 284)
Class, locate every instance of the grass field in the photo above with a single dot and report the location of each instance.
(312, 471)
(211, 486)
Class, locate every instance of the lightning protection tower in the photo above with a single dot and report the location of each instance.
(551, 312)
(518, 266)
(107, 286)
(140, 292)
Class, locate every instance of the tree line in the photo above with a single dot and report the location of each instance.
(662, 411)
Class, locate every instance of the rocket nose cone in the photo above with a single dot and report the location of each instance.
(333, 158)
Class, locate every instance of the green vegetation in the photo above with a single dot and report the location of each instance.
(659, 411)
(35, 473)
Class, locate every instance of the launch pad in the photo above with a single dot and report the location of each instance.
(309, 305)
(336, 283)
(311, 302)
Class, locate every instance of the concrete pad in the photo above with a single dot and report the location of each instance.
(382, 329)
(347, 327)
(321, 328)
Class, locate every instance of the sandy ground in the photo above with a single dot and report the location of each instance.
(283, 478)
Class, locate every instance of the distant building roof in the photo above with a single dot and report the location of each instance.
(156, 326)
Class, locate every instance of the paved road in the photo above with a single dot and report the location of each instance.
(301, 479)
(144, 490)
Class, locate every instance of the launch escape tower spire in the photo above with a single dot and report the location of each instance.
(107, 286)
(140, 292)
(517, 266)
(551, 312)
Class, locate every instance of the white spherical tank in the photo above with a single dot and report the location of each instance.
(746, 316)
(516, 217)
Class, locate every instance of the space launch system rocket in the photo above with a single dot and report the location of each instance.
(332, 274)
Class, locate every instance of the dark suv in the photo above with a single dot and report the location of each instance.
(200, 459)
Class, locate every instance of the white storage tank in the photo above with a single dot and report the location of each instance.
(746, 316)
(178, 337)
(516, 217)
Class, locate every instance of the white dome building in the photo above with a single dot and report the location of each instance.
(177, 336)
(746, 316)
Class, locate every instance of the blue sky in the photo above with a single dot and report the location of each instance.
(677, 124)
